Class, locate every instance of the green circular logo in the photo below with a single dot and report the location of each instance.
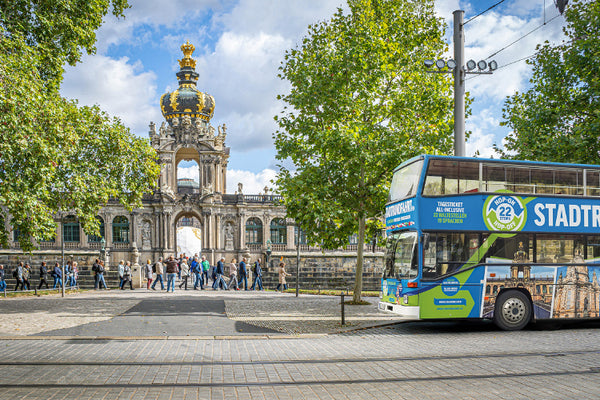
(504, 213)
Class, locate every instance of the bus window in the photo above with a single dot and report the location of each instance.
(569, 182)
(516, 249)
(592, 179)
(448, 252)
(542, 181)
(400, 257)
(406, 181)
(553, 248)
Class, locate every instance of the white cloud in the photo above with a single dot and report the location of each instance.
(119, 87)
(482, 127)
(253, 183)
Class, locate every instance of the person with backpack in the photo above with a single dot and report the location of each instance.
(197, 271)
(243, 274)
(257, 270)
(219, 282)
(18, 275)
(193, 263)
(43, 275)
(158, 270)
(95, 267)
(172, 269)
(184, 273)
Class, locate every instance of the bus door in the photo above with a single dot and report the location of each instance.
(399, 286)
(451, 277)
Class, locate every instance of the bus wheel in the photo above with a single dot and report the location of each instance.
(513, 311)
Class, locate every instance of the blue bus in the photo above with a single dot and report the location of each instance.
(511, 241)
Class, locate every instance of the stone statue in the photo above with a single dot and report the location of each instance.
(152, 129)
(229, 236)
(162, 130)
(146, 235)
(135, 255)
(240, 187)
(266, 189)
(175, 122)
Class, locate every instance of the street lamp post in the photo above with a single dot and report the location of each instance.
(297, 260)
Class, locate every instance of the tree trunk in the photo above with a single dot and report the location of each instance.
(359, 259)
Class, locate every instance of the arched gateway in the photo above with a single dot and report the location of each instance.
(229, 225)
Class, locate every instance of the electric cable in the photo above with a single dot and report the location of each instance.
(483, 12)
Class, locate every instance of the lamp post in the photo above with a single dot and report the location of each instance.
(62, 251)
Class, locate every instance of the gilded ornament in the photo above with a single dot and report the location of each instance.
(187, 60)
(162, 106)
(200, 97)
(174, 100)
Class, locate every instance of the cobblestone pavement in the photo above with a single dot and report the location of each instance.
(429, 360)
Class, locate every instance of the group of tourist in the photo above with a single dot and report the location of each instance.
(193, 269)
(23, 273)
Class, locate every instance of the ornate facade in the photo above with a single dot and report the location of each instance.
(231, 225)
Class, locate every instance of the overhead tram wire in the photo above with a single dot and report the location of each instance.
(483, 12)
(522, 37)
(523, 58)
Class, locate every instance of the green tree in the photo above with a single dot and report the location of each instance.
(558, 118)
(59, 30)
(359, 104)
(56, 156)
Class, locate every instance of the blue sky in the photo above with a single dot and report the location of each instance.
(239, 47)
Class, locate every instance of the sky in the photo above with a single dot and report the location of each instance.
(239, 47)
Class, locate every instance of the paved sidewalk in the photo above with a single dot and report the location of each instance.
(184, 313)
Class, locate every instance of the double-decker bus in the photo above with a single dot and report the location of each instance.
(511, 241)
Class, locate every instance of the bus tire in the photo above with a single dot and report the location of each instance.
(512, 311)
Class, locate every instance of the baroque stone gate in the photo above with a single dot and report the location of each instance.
(231, 225)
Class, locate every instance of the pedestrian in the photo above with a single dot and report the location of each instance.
(233, 281)
(243, 274)
(95, 268)
(197, 271)
(57, 275)
(74, 275)
(257, 276)
(127, 276)
(184, 272)
(2, 281)
(43, 275)
(158, 269)
(172, 269)
(205, 269)
(18, 275)
(26, 276)
(121, 271)
(148, 273)
(193, 264)
(101, 270)
(219, 282)
(68, 273)
(282, 275)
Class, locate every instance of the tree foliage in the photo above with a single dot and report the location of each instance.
(59, 30)
(359, 104)
(558, 118)
(56, 156)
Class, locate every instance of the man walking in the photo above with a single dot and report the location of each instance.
(172, 270)
(2, 281)
(18, 274)
(257, 276)
(205, 269)
(219, 271)
(243, 274)
(43, 275)
(57, 275)
(197, 271)
(158, 269)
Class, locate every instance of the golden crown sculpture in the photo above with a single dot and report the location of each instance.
(187, 61)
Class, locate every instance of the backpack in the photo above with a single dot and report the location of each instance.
(254, 269)
(154, 268)
(15, 274)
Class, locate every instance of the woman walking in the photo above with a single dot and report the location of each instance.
(184, 268)
(233, 281)
(75, 275)
(148, 273)
(282, 275)
(127, 276)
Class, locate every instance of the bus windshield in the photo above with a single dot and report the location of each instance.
(405, 181)
(401, 256)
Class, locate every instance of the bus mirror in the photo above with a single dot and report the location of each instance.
(425, 241)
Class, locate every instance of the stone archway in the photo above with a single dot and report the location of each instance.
(188, 233)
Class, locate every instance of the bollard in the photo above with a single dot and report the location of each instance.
(35, 290)
(343, 313)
